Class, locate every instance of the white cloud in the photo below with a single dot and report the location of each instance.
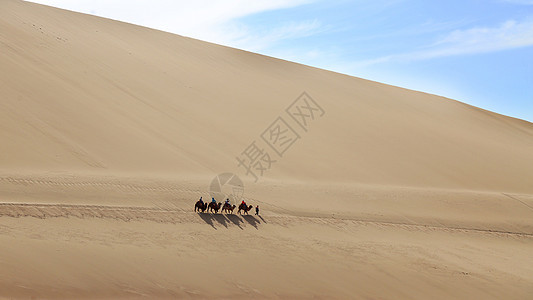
(524, 2)
(211, 20)
(262, 40)
(508, 35)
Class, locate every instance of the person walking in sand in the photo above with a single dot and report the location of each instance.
(257, 210)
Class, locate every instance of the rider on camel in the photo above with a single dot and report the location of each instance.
(201, 201)
(213, 200)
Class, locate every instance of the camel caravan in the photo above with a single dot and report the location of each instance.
(213, 206)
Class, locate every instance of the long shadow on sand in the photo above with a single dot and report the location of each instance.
(235, 220)
(211, 218)
(252, 221)
(226, 219)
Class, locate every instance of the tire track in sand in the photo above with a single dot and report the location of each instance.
(176, 216)
(99, 184)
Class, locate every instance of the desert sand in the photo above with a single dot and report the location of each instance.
(110, 132)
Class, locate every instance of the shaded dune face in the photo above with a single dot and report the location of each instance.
(110, 133)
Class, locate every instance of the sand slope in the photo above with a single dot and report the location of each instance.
(81, 93)
(111, 131)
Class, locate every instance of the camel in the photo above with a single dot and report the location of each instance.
(200, 206)
(214, 206)
(228, 208)
(244, 208)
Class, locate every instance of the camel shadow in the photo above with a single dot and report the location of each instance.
(210, 218)
(235, 220)
(251, 220)
(225, 219)
(207, 218)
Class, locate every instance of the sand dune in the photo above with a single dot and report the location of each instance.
(111, 131)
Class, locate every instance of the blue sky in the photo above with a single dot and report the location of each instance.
(476, 51)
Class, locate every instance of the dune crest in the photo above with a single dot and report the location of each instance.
(110, 132)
